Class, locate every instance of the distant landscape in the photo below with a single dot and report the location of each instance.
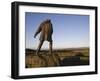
(59, 57)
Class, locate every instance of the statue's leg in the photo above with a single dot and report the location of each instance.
(40, 56)
(39, 47)
(50, 47)
(53, 55)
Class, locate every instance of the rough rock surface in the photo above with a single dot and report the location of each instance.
(42, 60)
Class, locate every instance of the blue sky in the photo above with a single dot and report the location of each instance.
(68, 30)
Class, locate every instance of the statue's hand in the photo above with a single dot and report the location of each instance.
(34, 36)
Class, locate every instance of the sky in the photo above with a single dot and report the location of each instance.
(69, 30)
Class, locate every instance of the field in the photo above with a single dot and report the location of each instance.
(59, 57)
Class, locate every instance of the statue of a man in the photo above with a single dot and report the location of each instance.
(46, 30)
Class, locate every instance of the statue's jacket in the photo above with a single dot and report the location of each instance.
(46, 30)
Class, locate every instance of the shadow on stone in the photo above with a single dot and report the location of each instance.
(70, 61)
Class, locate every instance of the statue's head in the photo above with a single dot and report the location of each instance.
(48, 20)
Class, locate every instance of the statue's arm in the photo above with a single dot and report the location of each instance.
(52, 29)
(38, 31)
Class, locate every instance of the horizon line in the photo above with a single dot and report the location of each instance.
(59, 48)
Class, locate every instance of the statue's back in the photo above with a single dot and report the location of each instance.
(46, 31)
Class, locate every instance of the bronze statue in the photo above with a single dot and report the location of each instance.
(46, 30)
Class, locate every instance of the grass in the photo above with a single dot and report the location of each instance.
(59, 57)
